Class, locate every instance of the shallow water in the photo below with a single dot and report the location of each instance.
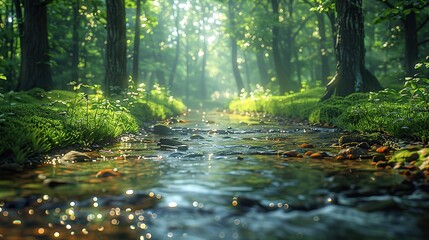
(231, 184)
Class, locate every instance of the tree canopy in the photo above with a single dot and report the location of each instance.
(202, 49)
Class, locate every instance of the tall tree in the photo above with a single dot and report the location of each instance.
(116, 76)
(282, 66)
(178, 46)
(75, 40)
(262, 68)
(136, 49)
(35, 69)
(234, 45)
(322, 48)
(351, 75)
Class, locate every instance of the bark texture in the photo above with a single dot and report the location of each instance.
(351, 75)
(116, 48)
(35, 68)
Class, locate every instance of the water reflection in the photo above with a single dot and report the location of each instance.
(231, 183)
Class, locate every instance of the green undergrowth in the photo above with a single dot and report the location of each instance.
(35, 122)
(296, 105)
(400, 113)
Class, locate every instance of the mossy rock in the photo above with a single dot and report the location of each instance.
(409, 155)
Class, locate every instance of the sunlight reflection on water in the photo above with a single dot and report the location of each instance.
(230, 184)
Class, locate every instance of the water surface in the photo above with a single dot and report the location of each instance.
(232, 183)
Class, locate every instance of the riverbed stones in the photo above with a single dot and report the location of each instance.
(383, 149)
(317, 155)
(75, 156)
(306, 145)
(167, 143)
(351, 153)
(378, 157)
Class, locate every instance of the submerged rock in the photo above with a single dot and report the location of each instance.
(306, 145)
(196, 136)
(167, 144)
(317, 155)
(75, 156)
(52, 183)
(107, 173)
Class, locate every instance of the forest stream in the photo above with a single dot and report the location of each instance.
(222, 176)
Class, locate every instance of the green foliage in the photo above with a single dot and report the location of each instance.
(403, 113)
(296, 105)
(34, 122)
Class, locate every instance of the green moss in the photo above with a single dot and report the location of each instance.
(296, 105)
(36, 121)
(403, 115)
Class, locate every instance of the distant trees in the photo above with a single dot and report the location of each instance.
(351, 74)
(408, 12)
(200, 49)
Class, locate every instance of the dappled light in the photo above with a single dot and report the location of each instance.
(214, 119)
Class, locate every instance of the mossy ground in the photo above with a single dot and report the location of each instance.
(399, 115)
(35, 122)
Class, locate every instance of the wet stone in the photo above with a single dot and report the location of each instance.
(169, 142)
(182, 147)
(75, 156)
(161, 130)
(378, 157)
(363, 145)
(196, 136)
(107, 173)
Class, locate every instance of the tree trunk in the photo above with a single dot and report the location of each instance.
(262, 67)
(234, 47)
(288, 51)
(351, 75)
(75, 41)
(116, 48)
(411, 43)
(298, 67)
(188, 70)
(282, 66)
(322, 49)
(278, 63)
(136, 48)
(35, 68)
(203, 89)
(247, 71)
(8, 47)
(177, 54)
